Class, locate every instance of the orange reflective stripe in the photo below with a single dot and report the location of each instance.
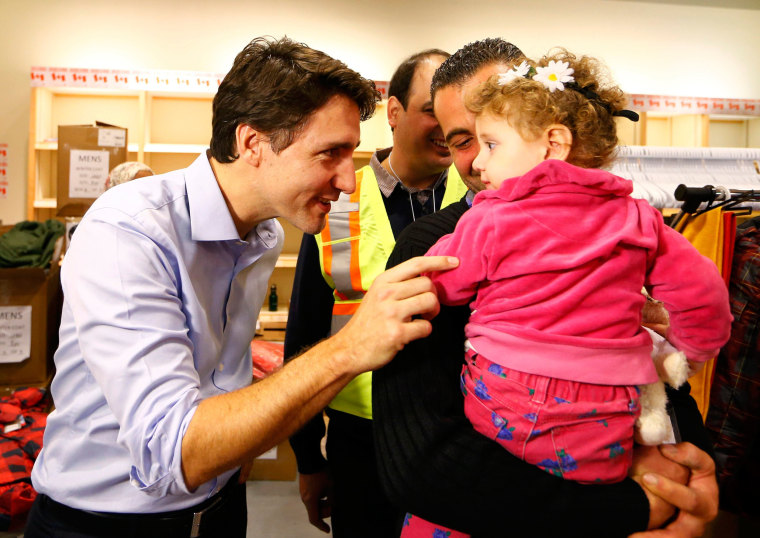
(345, 309)
(355, 269)
(354, 230)
(327, 253)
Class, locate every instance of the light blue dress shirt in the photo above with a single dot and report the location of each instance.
(161, 298)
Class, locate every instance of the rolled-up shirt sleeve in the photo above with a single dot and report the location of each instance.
(125, 296)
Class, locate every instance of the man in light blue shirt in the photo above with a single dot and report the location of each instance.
(163, 283)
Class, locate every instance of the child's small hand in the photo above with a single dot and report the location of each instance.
(655, 317)
(659, 328)
(695, 367)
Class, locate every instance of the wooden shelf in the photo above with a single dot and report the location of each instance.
(46, 146)
(132, 147)
(45, 203)
(286, 261)
(280, 316)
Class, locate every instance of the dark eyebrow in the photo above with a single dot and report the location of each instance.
(342, 145)
(455, 132)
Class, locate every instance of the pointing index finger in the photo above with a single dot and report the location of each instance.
(421, 264)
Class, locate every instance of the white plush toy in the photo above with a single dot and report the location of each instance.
(653, 426)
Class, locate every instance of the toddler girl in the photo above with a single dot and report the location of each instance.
(555, 252)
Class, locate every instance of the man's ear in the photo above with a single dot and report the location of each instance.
(250, 144)
(559, 141)
(394, 109)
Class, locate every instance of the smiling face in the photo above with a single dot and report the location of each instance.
(458, 124)
(416, 133)
(504, 153)
(305, 177)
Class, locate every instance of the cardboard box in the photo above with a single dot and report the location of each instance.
(276, 464)
(37, 294)
(31, 300)
(86, 154)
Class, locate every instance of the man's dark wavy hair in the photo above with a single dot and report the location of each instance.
(465, 62)
(275, 86)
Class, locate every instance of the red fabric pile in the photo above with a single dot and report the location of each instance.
(18, 451)
(267, 357)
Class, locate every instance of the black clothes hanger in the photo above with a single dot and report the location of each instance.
(714, 197)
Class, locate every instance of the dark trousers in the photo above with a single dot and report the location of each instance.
(360, 509)
(224, 515)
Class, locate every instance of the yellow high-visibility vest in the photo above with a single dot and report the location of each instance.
(353, 249)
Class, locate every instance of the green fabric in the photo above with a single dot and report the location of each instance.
(30, 244)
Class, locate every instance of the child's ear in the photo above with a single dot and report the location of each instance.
(559, 140)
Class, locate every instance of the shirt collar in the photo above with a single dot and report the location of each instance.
(210, 218)
(388, 182)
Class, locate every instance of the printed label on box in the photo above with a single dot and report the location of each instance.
(111, 138)
(88, 170)
(15, 333)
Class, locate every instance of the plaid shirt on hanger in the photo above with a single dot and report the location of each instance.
(733, 419)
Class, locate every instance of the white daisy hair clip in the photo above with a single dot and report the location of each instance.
(519, 71)
(554, 76)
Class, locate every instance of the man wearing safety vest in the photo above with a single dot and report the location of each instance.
(335, 268)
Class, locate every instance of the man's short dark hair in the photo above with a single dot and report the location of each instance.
(401, 81)
(275, 86)
(465, 62)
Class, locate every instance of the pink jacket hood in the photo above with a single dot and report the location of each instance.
(557, 176)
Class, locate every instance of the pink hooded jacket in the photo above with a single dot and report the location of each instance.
(557, 259)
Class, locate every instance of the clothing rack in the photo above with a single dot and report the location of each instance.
(724, 198)
(657, 172)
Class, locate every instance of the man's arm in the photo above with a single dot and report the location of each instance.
(230, 429)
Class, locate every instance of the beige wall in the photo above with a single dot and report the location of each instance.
(671, 48)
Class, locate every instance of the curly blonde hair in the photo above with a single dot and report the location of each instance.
(585, 107)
